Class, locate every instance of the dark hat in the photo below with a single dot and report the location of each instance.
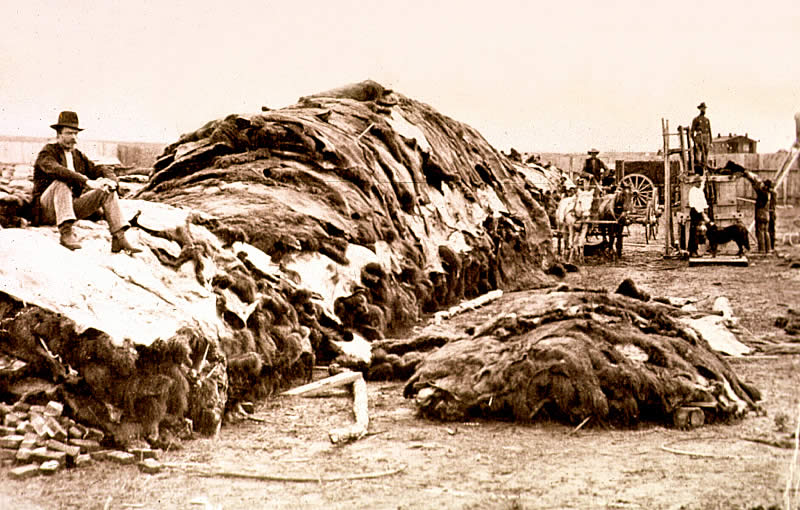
(67, 119)
(594, 151)
(701, 105)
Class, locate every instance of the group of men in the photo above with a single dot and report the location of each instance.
(67, 186)
(700, 132)
(765, 202)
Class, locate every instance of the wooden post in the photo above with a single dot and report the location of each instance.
(667, 190)
(334, 381)
(683, 171)
(359, 428)
(619, 170)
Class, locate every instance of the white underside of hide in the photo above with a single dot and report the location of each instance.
(408, 130)
(713, 329)
(358, 348)
(127, 297)
(329, 279)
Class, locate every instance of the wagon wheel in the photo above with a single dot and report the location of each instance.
(642, 189)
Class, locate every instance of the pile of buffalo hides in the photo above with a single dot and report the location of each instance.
(272, 242)
(384, 208)
(570, 355)
(166, 340)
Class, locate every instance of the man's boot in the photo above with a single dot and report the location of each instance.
(119, 242)
(67, 237)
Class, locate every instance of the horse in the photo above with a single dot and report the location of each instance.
(574, 210)
(614, 208)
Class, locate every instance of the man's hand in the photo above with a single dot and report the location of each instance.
(103, 183)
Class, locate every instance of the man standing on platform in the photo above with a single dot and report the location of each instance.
(701, 135)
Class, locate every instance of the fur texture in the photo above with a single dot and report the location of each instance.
(719, 236)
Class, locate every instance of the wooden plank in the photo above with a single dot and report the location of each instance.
(720, 260)
(360, 410)
(667, 190)
(325, 384)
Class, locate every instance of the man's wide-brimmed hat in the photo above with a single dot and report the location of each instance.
(701, 106)
(594, 151)
(67, 119)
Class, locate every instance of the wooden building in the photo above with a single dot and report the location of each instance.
(733, 144)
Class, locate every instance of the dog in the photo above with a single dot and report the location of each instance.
(718, 236)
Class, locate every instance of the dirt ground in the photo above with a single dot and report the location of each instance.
(410, 463)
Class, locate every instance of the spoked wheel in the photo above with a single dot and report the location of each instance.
(642, 190)
(651, 220)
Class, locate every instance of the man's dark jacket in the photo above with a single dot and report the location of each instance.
(51, 165)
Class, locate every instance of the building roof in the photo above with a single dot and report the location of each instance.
(721, 138)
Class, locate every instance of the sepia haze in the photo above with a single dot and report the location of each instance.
(535, 76)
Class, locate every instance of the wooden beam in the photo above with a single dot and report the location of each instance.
(667, 190)
(720, 260)
(325, 384)
(361, 412)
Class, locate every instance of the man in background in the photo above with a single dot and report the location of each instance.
(771, 204)
(595, 169)
(701, 135)
(764, 196)
(698, 207)
(67, 186)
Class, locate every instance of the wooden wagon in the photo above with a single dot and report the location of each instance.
(646, 182)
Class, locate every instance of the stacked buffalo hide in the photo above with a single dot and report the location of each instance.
(379, 205)
(272, 242)
(569, 356)
(16, 187)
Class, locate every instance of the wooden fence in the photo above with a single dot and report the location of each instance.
(763, 165)
(16, 150)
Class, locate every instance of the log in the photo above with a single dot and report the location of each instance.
(688, 418)
(468, 305)
(360, 410)
(324, 384)
(721, 260)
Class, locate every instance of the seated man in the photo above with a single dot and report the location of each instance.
(67, 186)
(594, 168)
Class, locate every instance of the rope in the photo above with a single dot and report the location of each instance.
(787, 494)
(210, 471)
(668, 448)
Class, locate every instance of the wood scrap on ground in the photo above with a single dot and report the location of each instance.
(360, 410)
(470, 304)
(360, 405)
(333, 381)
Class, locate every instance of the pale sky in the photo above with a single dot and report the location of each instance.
(555, 76)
